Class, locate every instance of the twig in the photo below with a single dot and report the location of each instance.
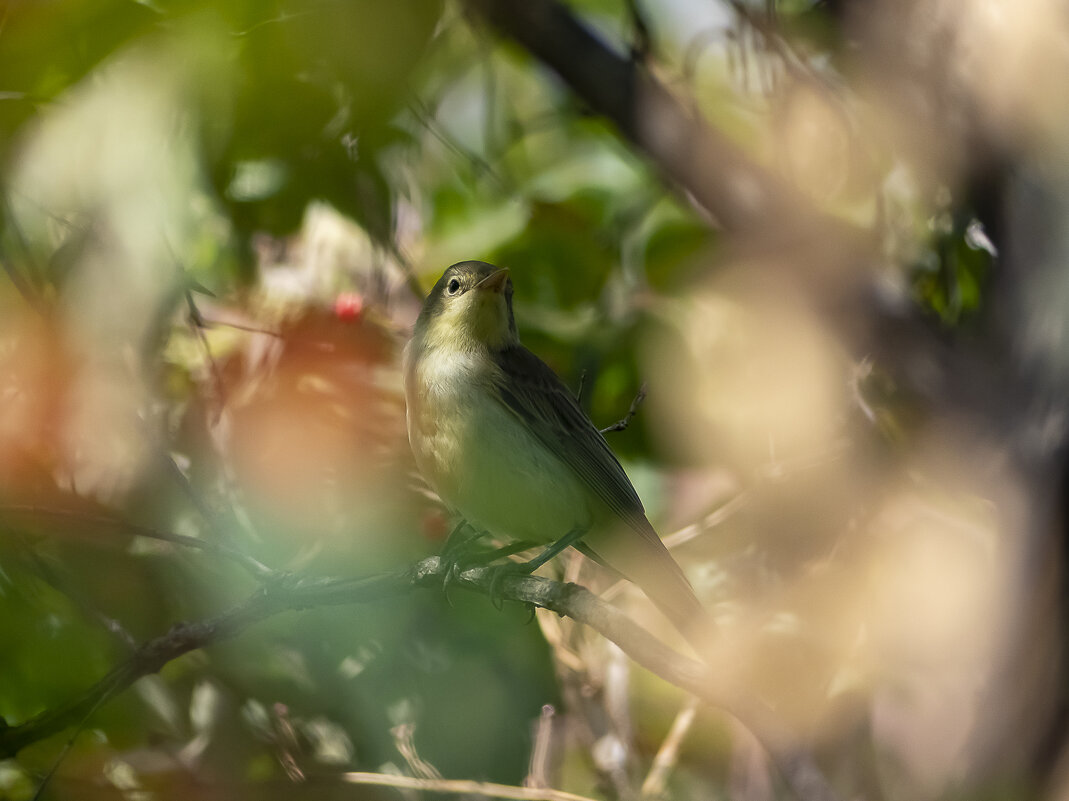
(538, 767)
(668, 753)
(711, 520)
(609, 718)
(620, 425)
(67, 747)
(255, 568)
(478, 164)
(404, 740)
(486, 46)
(197, 323)
(582, 386)
(58, 582)
(210, 322)
(284, 738)
(772, 472)
(211, 519)
(464, 787)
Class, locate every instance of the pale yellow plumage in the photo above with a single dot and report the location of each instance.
(505, 444)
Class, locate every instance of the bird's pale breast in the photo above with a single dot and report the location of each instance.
(480, 458)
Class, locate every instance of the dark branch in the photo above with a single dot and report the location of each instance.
(632, 410)
(692, 154)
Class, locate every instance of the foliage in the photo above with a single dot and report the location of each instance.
(217, 220)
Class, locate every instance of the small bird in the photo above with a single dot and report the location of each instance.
(506, 445)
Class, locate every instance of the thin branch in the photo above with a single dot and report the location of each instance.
(213, 521)
(668, 753)
(463, 787)
(480, 166)
(711, 520)
(774, 471)
(490, 93)
(209, 322)
(198, 324)
(632, 410)
(254, 567)
(538, 766)
(582, 386)
(288, 594)
(404, 741)
(39, 793)
(79, 598)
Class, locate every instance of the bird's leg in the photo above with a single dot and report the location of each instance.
(458, 547)
(508, 550)
(526, 568)
(560, 545)
(470, 555)
(462, 551)
(457, 538)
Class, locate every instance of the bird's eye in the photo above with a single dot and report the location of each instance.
(454, 287)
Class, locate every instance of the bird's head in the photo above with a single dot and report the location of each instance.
(470, 307)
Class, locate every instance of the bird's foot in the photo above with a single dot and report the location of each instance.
(458, 554)
(462, 537)
(498, 573)
(467, 554)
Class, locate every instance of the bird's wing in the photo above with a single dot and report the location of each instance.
(533, 392)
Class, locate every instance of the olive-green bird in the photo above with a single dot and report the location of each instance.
(505, 444)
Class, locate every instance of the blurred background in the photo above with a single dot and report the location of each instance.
(829, 238)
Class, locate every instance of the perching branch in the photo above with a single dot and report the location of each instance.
(668, 754)
(565, 599)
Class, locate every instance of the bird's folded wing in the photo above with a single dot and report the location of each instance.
(531, 390)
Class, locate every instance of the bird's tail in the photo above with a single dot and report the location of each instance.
(645, 561)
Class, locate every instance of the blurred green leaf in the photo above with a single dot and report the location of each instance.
(48, 47)
(949, 281)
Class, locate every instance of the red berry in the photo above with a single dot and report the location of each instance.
(348, 306)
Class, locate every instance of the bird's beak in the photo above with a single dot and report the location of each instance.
(495, 282)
